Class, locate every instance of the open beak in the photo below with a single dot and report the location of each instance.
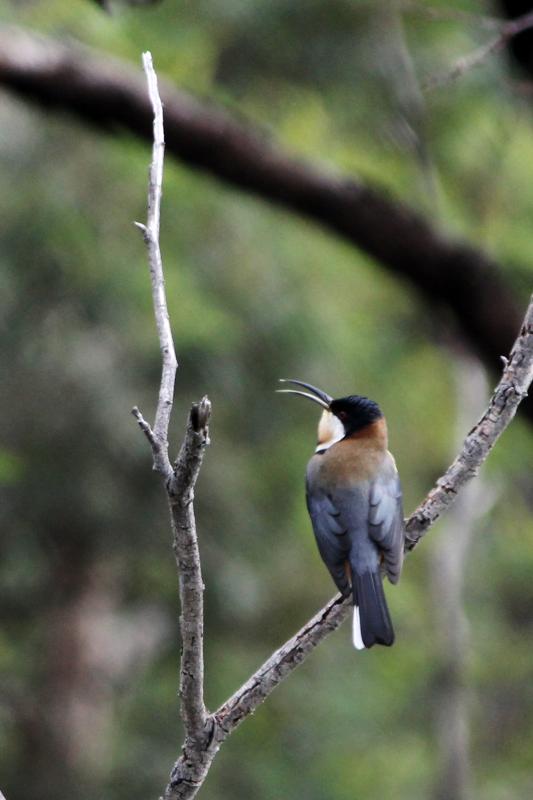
(318, 395)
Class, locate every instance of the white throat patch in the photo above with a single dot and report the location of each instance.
(330, 431)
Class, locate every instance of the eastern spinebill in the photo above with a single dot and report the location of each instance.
(354, 499)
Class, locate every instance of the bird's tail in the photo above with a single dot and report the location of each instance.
(371, 620)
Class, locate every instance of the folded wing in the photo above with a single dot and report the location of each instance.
(385, 518)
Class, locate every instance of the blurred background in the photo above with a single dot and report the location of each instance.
(89, 639)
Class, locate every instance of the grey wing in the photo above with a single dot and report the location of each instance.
(385, 518)
(332, 538)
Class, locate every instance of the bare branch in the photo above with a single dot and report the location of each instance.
(205, 732)
(191, 769)
(146, 429)
(180, 480)
(181, 495)
(158, 438)
(474, 59)
(512, 388)
(447, 14)
(279, 665)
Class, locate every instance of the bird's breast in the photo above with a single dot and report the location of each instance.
(346, 464)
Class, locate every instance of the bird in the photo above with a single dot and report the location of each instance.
(354, 499)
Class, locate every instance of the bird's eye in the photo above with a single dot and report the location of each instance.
(343, 416)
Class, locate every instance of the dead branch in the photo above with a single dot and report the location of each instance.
(180, 479)
(204, 732)
(181, 496)
(474, 59)
(158, 437)
(512, 388)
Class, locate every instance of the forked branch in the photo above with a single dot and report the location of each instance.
(512, 388)
(204, 732)
(179, 479)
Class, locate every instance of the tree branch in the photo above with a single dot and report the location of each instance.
(510, 391)
(205, 732)
(251, 694)
(181, 479)
(158, 437)
(110, 94)
(508, 29)
(512, 388)
(181, 496)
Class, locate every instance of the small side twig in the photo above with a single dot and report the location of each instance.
(476, 57)
(158, 437)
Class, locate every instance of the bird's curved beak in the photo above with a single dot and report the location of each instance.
(318, 395)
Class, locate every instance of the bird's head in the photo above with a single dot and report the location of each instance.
(340, 418)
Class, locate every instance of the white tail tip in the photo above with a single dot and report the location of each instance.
(356, 630)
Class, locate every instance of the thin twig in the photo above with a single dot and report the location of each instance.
(443, 14)
(476, 57)
(159, 436)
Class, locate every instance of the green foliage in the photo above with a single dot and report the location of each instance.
(255, 294)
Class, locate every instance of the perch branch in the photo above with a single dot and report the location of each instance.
(188, 775)
(246, 699)
(158, 437)
(205, 732)
(512, 388)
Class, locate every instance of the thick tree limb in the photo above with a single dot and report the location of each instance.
(110, 94)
